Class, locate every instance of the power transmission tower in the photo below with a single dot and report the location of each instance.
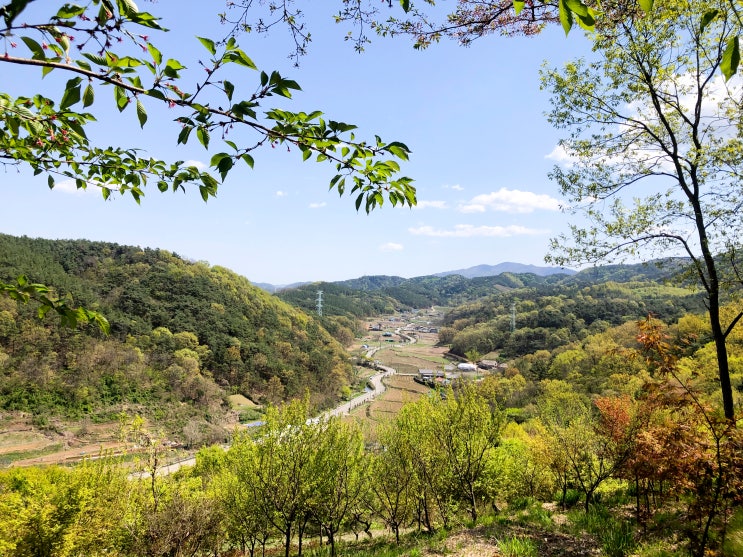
(319, 303)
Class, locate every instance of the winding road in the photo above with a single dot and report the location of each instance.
(375, 381)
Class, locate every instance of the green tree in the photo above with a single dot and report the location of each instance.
(246, 523)
(57, 511)
(343, 482)
(468, 430)
(391, 477)
(651, 118)
(286, 472)
(582, 454)
(101, 45)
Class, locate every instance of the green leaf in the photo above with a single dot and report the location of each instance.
(11, 10)
(71, 94)
(208, 44)
(50, 182)
(400, 150)
(239, 57)
(157, 56)
(224, 166)
(98, 60)
(202, 134)
(68, 11)
(223, 163)
(174, 65)
(707, 18)
(646, 5)
(183, 136)
(127, 8)
(730, 58)
(229, 88)
(518, 5)
(121, 99)
(210, 185)
(577, 7)
(141, 113)
(248, 160)
(35, 48)
(566, 16)
(405, 5)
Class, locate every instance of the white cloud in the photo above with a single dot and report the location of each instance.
(69, 187)
(510, 201)
(432, 204)
(198, 164)
(455, 187)
(281, 193)
(317, 205)
(391, 246)
(561, 156)
(470, 231)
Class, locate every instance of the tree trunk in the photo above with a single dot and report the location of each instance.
(473, 509)
(722, 357)
(331, 541)
(287, 541)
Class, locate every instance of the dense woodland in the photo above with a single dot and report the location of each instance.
(180, 332)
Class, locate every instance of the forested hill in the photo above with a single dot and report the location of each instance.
(181, 331)
(371, 295)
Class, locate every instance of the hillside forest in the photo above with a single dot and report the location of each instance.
(604, 406)
(184, 335)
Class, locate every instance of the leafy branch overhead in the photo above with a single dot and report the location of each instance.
(105, 47)
(50, 135)
(427, 22)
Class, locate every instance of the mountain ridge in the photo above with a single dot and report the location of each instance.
(477, 271)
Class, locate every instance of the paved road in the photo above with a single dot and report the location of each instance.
(375, 381)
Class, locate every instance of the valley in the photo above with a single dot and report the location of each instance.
(247, 410)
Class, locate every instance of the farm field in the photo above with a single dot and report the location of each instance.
(26, 444)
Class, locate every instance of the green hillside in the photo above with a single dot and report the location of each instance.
(181, 332)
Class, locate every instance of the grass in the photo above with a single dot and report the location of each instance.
(617, 537)
(9, 458)
(411, 545)
(517, 546)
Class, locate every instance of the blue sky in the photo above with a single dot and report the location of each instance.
(473, 118)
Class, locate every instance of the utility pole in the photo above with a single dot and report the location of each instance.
(319, 303)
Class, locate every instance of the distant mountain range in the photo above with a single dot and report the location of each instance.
(507, 267)
(471, 272)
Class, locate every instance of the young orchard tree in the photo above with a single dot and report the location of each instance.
(392, 480)
(341, 458)
(107, 46)
(654, 151)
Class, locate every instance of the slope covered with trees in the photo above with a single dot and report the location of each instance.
(180, 331)
(551, 316)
